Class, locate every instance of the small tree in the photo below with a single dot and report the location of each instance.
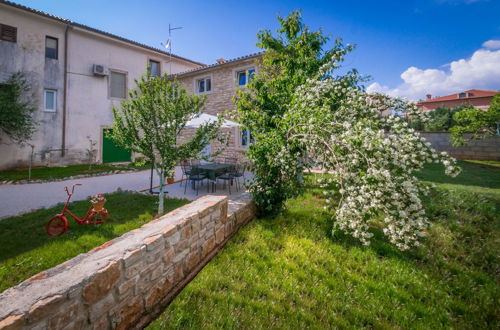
(16, 109)
(91, 151)
(476, 123)
(152, 119)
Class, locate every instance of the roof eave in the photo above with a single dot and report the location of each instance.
(216, 66)
(91, 29)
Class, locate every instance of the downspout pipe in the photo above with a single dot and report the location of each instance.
(65, 94)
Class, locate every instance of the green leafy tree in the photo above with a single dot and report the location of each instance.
(290, 59)
(16, 109)
(439, 119)
(474, 124)
(152, 119)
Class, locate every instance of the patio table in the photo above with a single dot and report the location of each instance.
(214, 169)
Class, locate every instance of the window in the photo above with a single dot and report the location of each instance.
(117, 85)
(51, 48)
(462, 95)
(154, 68)
(8, 33)
(203, 85)
(246, 138)
(245, 76)
(50, 100)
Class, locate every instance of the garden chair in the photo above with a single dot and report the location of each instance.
(196, 175)
(239, 172)
(186, 169)
(227, 176)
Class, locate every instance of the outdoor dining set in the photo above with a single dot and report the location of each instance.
(196, 173)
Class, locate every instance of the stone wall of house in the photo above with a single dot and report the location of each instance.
(487, 149)
(230, 150)
(220, 100)
(127, 281)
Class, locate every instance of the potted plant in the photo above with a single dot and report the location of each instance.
(170, 176)
(98, 202)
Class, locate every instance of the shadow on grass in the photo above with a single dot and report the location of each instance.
(473, 174)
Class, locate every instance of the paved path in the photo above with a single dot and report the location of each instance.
(22, 198)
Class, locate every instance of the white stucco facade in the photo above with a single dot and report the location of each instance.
(88, 102)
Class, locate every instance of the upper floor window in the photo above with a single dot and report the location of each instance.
(8, 33)
(117, 85)
(246, 138)
(51, 45)
(245, 76)
(203, 85)
(462, 95)
(154, 68)
(50, 100)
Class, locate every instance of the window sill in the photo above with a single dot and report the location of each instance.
(204, 93)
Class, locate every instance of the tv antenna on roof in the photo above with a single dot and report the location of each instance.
(168, 43)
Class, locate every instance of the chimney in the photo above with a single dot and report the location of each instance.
(429, 96)
(220, 60)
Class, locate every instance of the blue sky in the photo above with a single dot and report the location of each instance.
(424, 41)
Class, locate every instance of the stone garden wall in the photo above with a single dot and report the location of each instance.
(127, 281)
(487, 149)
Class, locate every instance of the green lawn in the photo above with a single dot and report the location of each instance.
(27, 249)
(46, 173)
(289, 272)
(477, 176)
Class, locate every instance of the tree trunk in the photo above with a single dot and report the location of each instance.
(161, 195)
(31, 160)
(300, 179)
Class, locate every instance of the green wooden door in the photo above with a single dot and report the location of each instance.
(111, 152)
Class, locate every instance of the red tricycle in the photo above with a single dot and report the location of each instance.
(95, 215)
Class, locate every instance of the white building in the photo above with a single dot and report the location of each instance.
(77, 74)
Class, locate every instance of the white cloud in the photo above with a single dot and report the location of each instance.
(492, 44)
(481, 70)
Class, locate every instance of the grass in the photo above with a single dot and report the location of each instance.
(47, 173)
(477, 176)
(27, 249)
(290, 272)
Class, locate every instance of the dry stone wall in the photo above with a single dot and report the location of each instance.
(487, 149)
(127, 281)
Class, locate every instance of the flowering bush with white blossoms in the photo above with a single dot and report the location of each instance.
(300, 114)
(372, 158)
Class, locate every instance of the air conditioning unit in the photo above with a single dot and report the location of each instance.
(99, 70)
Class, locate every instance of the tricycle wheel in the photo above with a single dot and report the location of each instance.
(57, 225)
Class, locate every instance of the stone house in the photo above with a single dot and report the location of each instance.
(219, 82)
(77, 74)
